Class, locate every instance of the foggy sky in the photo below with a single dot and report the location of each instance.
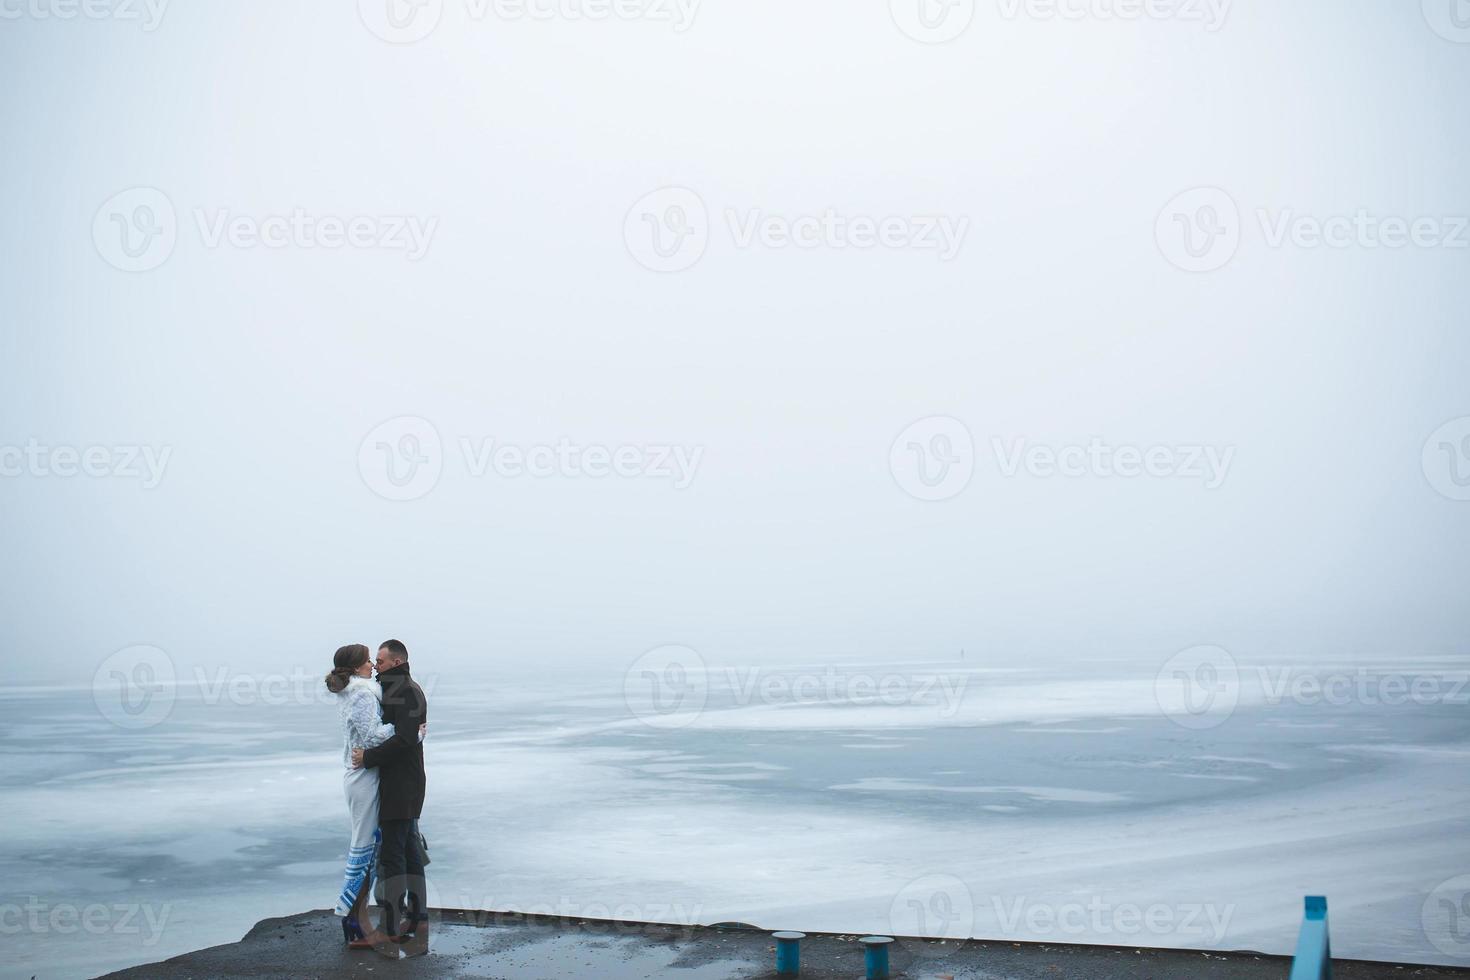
(529, 319)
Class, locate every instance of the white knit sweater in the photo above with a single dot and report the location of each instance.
(360, 711)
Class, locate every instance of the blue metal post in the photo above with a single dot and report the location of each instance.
(788, 953)
(1313, 960)
(877, 956)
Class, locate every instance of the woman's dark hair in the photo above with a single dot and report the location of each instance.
(345, 662)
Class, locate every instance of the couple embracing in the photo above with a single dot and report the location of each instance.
(383, 725)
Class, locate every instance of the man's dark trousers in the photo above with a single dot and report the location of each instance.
(401, 870)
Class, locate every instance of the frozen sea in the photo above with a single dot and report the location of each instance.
(941, 798)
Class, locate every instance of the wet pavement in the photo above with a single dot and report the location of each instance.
(515, 947)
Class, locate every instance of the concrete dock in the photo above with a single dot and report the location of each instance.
(509, 946)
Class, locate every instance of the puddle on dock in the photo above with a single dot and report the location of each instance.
(484, 952)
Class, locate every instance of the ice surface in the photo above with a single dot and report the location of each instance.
(1005, 818)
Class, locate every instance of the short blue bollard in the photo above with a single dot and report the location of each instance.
(877, 956)
(1313, 960)
(788, 953)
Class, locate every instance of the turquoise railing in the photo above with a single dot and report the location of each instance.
(1313, 960)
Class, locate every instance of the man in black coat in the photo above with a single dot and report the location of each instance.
(400, 765)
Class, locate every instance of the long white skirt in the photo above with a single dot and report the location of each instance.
(361, 789)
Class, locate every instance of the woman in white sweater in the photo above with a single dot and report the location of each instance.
(360, 712)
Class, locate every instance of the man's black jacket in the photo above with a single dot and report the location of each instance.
(400, 760)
